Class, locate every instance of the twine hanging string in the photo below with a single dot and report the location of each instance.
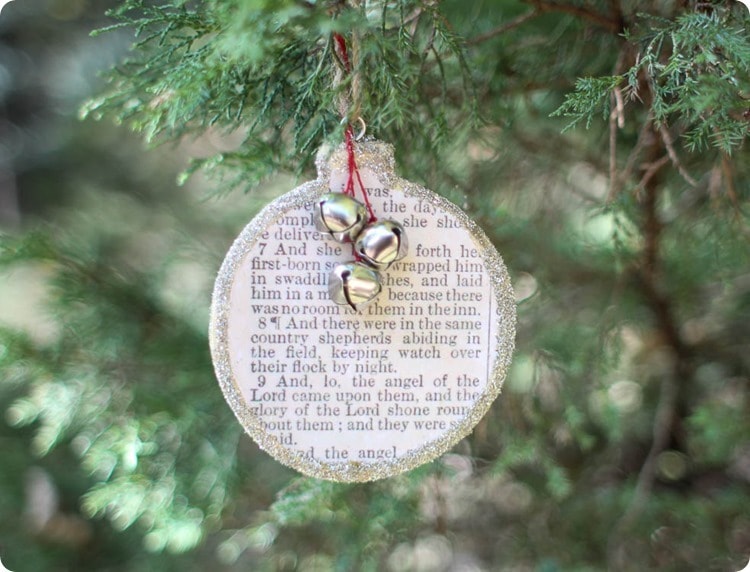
(349, 107)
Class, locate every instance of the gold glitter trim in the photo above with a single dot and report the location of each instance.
(379, 158)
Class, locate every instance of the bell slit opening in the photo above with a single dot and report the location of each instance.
(345, 288)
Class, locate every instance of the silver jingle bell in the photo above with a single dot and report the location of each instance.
(382, 243)
(354, 284)
(340, 216)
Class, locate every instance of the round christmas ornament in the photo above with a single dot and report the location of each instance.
(359, 360)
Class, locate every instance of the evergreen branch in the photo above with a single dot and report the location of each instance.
(228, 65)
(696, 68)
(590, 95)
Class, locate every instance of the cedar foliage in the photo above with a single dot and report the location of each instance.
(601, 145)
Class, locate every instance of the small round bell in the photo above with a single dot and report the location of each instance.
(381, 244)
(340, 216)
(354, 284)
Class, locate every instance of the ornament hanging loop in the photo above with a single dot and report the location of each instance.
(360, 123)
(362, 129)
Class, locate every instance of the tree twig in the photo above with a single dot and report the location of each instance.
(666, 323)
(651, 170)
(669, 144)
(617, 13)
(616, 120)
(652, 227)
(726, 169)
(429, 47)
(541, 6)
(601, 20)
(663, 420)
(612, 151)
(643, 137)
(514, 23)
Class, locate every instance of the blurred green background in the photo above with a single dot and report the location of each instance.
(117, 452)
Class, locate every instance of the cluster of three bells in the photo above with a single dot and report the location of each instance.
(377, 245)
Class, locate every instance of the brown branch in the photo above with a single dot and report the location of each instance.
(651, 170)
(612, 152)
(666, 415)
(617, 14)
(652, 227)
(669, 144)
(610, 24)
(660, 305)
(614, 24)
(714, 183)
(514, 23)
(643, 139)
(619, 107)
(430, 46)
(616, 120)
(726, 169)
(663, 422)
